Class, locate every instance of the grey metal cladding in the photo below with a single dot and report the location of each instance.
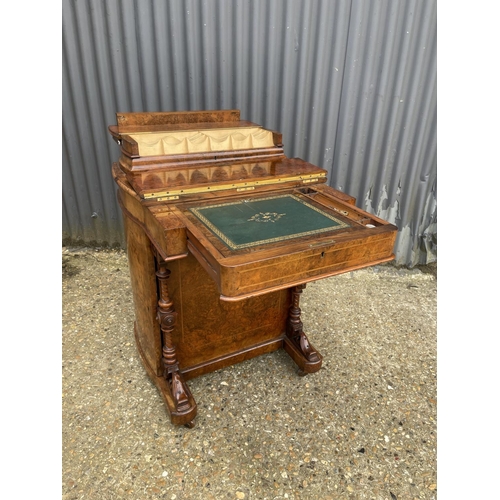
(351, 84)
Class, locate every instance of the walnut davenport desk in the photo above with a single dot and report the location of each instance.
(223, 233)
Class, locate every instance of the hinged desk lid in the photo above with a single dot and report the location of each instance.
(256, 244)
(272, 219)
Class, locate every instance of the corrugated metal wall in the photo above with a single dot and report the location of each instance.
(351, 84)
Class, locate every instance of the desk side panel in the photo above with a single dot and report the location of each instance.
(143, 278)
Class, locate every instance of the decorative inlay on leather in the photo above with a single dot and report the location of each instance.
(266, 217)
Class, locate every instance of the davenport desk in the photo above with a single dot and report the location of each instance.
(223, 232)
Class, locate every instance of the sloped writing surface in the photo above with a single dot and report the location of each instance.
(248, 223)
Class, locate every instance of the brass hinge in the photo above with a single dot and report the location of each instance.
(174, 194)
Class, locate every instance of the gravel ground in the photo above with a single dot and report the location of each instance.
(363, 427)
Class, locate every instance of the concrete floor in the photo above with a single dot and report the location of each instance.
(363, 427)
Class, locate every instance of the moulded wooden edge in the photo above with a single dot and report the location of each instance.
(135, 164)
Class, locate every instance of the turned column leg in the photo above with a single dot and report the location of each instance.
(296, 342)
(180, 402)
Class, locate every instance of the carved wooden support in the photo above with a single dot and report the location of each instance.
(179, 401)
(296, 342)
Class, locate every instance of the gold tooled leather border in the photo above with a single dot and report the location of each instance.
(234, 246)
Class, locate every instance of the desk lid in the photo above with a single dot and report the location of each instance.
(256, 243)
(252, 222)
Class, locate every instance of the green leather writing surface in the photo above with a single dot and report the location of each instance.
(247, 223)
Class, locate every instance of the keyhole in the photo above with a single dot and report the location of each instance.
(322, 254)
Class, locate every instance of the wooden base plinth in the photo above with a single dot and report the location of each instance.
(232, 359)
